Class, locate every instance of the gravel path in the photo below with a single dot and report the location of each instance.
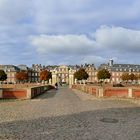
(66, 114)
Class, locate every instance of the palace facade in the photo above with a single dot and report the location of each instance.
(116, 70)
(65, 74)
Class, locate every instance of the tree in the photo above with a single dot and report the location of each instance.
(132, 77)
(81, 74)
(138, 76)
(3, 75)
(103, 74)
(22, 76)
(45, 75)
(125, 76)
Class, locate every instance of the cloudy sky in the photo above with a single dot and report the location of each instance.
(69, 31)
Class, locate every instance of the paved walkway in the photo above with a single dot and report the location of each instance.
(67, 114)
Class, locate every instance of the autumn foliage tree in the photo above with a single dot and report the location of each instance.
(103, 74)
(81, 74)
(138, 76)
(45, 75)
(132, 77)
(3, 75)
(22, 76)
(127, 77)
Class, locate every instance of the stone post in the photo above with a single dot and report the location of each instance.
(71, 77)
(130, 93)
(101, 92)
(75, 81)
(29, 94)
(50, 81)
(54, 77)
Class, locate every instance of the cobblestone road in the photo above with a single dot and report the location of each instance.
(69, 115)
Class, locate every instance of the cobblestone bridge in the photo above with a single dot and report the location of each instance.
(66, 114)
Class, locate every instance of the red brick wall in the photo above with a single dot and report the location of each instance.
(94, 91)
(109, 92)
(87, 89)
(116, 92)
(136, 93)
(15, 94)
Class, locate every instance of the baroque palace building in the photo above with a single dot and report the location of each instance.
(116, 70)
(92, 72)
(65, 74)
(11, 71)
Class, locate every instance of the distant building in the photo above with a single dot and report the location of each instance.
(63, 74)
(23, 68)
(92, 72)
(11, 71)
(117, 70)
(33, 75)
(34, 72)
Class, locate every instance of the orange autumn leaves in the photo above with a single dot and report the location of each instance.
(45, 75)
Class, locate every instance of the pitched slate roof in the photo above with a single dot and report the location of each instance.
(125, 67)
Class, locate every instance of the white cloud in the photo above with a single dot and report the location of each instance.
(105, 38)
(63, 44)
(118, 38)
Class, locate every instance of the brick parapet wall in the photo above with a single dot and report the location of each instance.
(136, 93)
(14, 94)
(26, 93)
(98, 91)
(87, 89)
(116, 92)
